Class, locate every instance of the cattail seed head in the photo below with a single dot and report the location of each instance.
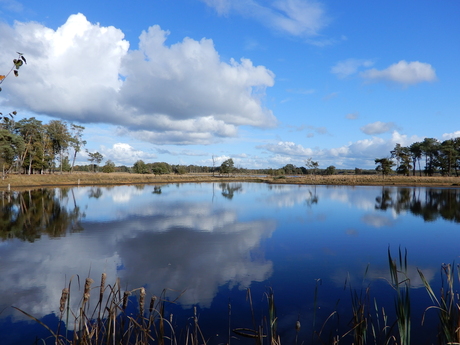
(125, 299)
(101, 292)
(86, 294)
(297, 326)
(141, 301)
(64, 296)
(152, 303)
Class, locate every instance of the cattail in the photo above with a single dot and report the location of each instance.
(101, 292)
(125, 299)
(152, 303)
(64, 296)
(297, 326)
(141, 301)
(88, 283)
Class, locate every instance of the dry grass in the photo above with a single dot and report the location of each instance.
(18, 182)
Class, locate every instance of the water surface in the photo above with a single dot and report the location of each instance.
(214, 241)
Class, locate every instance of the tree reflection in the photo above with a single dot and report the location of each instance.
(430, 205)
(27, 215)
(229, 189)
(95, 192)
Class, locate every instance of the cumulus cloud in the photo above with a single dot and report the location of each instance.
(403, 72)
(180, 93)
(294, 17)
(288, 148)
(348, 67)
(378, 127)
(122, 153)
(163, 244)
(362, 153)
(452, 135)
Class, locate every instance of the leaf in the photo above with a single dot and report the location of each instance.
(2, 77)
(16, 73)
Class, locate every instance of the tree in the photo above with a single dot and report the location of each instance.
(330, 170)
(447, 157)
(65, 165)
(32, 131)
(159, 168)
(95, 159)
(289, 169)
(312, 165)
(140, 167)
(384, 165)
(227, 166)
(416, 153)
(403, 157)
(430, 148)
(109, 167)
(76, 141)
(11, 147)
(60, 138)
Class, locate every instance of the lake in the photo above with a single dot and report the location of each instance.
(314, 246)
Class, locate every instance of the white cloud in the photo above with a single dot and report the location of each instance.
(350, 66)
(125, 154)
(378, 127)
(361, 153)
(180, 93)
(352, 116)
(403, 72)
(452, 135)
(295, 17)
(288, 148)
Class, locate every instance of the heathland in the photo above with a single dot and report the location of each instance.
(18, 182)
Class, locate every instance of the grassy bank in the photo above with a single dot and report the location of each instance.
(18, 182)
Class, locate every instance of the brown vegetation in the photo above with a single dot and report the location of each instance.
(18, 182)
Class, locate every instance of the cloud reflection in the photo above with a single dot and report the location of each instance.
(193, 246)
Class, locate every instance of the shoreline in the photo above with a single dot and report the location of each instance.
(25, 182)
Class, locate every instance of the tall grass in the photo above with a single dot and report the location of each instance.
(109, 322)
(131, 318)
(447, 304)
(401, 284)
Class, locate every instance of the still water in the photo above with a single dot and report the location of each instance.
(211, 242)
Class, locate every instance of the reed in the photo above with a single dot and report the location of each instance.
(112, 321)
(401, 284)
(109, 322)
(447, 304)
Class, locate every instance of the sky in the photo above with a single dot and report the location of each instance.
(266, 83)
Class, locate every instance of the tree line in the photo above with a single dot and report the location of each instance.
(29, 146)
(437, 158)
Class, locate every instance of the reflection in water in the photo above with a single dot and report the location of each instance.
(213, 245)
(165, 243)
(430, 204)
(95, 192)
(28, 215)
(229, 189)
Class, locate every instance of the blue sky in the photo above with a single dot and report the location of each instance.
(266, 83)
